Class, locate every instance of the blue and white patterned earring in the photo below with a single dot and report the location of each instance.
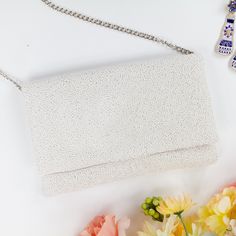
(225, 44)
(232, 9)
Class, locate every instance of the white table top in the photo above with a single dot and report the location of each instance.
(36, 41)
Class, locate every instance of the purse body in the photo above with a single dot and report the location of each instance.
(109, 123)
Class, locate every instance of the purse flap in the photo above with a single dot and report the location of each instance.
(118, 113)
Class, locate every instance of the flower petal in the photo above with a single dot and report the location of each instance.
(109, 227)
(223, 206)
(123, 224)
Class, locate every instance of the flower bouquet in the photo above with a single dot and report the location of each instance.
(174, 216)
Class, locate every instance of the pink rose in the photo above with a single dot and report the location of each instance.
(106, 226)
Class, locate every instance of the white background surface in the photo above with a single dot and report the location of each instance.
(35, 41)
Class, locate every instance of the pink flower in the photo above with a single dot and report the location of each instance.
(232, 185)
(106, 226)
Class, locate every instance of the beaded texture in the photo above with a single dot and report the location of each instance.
(110, 123)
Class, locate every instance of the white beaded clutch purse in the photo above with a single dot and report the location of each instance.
(105, 124)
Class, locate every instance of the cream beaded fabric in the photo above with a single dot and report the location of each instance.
(114, 122)
(118, 121)
(109, 123)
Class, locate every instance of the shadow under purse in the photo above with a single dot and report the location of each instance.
(109, 123)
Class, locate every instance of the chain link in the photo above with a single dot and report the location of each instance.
(105, 24)
(5, 76)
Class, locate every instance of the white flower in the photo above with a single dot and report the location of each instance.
(196, 231)
(169, 227)
(148, 230)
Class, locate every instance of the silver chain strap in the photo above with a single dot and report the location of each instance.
(106, 25)
(5, 76)
(116, 27)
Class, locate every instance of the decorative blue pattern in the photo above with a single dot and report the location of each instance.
(226, 43)
(230, 21)
(233, 63)
(232, 6)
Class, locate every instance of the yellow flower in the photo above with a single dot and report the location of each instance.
(169, 227)
(148, 230)
(215, 214)
(174, 205)
(218, 214)
(179, 231)
(233, 226)
(230, 192)
(196, 230)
